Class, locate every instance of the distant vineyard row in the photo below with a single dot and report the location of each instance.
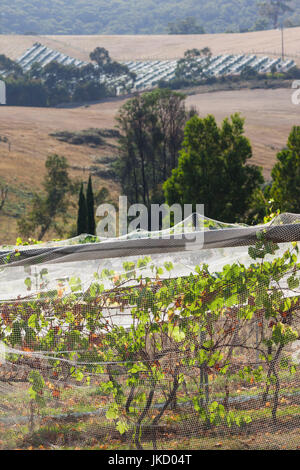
(150, 73)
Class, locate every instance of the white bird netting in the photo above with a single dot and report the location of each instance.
(152, 338)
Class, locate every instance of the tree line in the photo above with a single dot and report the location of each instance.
(57, 83)
(143, 17)
(191, 72)
(201, 163)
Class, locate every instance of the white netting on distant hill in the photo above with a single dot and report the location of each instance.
(152, 338)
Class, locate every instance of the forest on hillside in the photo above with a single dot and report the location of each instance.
(132, 17)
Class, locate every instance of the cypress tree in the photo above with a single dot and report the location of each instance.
(82, 219)
(91, 224)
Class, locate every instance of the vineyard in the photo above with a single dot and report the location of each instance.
(149, 73)
(193, 344)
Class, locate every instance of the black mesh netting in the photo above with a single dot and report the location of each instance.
(190, 345)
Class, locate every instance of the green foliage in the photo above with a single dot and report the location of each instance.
(272, 10)
(92, 136)
(10, 66)
(189, 68)
(185, 26)
(213, 169)
(261, 209)
(49, 208)
(108, 67)
(37, 387)
(57, 83)
(285, 189)
(151, 128)
(53, 84)
(128, 16)
(203, 320)
(86, 212)
(68, 83)
(249, 73)
(23, 92)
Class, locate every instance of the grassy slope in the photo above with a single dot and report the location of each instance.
(269, 113)
(23, 167)
(269, 117)
(157, 47)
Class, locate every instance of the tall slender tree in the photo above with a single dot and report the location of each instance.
(82, 218)
(151, 127)
(285, 188)
(91, 224)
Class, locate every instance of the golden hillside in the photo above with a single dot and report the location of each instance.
(158, 47)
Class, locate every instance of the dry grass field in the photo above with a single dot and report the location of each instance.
(23, 166)
(158, 47)
(269, 116)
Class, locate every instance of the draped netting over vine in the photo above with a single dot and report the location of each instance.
(183, 338)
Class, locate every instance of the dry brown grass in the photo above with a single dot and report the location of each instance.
(145, 47)
(28, 130)
(269, 117)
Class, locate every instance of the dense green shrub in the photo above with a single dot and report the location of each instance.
(23, 92)
(181, 331)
